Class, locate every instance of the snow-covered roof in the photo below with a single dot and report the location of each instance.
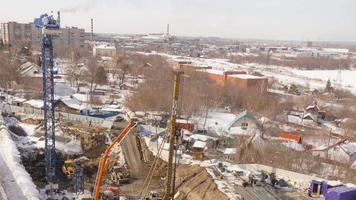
(204, 138)
(247, 76)
(16, 99)
(349, 148)
(199, 144)
(72, 103)
(30, 69)
(81, 97)
(310, 116)
(104, 46)
(184, 121)
(336, 50)
(228, 151)
(36, 103)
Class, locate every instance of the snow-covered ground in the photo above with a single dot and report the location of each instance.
(347, 76)
(68, 146)
(15, 180)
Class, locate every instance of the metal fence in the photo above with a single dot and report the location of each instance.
(60, 115)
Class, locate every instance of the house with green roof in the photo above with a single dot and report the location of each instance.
(244, 122)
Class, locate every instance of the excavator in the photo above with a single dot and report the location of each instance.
(69, 165)
(112, 191)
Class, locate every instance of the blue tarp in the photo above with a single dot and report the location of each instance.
(144, 133)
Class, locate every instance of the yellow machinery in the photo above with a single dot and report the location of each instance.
(68, 168)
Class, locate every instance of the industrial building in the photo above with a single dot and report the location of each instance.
(239, 79)
(104, 50)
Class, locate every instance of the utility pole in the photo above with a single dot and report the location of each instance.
(172, 132)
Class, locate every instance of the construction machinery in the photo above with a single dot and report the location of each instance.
(50, 28)
(109, 192)
(68, 168)
(172, 135)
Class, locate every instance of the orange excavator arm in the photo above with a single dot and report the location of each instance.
(103, 159)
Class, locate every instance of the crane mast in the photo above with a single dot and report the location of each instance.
(48, 108)
(50, 29)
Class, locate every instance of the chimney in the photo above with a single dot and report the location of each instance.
(167, 29)
(92, 30)
(59, 18)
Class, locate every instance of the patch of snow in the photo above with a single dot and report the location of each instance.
(11, 157)
(33, 140)
(293, 145)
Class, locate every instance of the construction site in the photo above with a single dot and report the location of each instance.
(155, 116)
(97, 162)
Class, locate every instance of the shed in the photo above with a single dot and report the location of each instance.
(69, 105)
(198, 149)
(341, 193)
(228, 153)
(185, 124)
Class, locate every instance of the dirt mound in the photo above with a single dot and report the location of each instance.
(195, 183)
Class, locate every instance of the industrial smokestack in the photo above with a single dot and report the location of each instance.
(59, 18)
(92, 30)
(167, 29)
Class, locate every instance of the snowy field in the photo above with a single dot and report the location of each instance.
(348, 77)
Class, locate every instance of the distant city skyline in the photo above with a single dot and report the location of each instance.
(314, 20)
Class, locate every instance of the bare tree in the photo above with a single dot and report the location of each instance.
(73, 72)
(8, 71)
(95, 74)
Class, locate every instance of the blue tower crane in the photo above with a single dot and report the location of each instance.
(50, 28)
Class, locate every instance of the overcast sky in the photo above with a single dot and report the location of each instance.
(326, 20)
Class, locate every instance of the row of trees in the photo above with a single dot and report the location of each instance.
(9, 74)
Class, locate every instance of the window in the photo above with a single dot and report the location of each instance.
(244, 125)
